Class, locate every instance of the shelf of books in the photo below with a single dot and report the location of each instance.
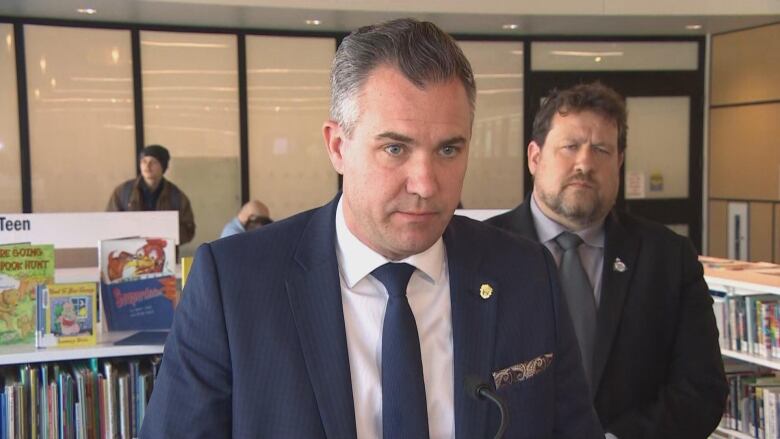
(66, 372)
(746, 298)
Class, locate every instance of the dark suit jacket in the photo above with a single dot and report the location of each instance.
(258, 346)
(657, 367)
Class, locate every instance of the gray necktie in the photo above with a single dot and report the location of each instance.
(579, 295)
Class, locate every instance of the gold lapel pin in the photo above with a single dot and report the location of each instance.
(618, 266)
(485, 291)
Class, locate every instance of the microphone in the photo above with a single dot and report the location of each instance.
(480, 391)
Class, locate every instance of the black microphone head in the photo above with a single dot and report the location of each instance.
(481, 391)
(474, 386)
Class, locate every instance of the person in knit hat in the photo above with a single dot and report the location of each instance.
(151, 191)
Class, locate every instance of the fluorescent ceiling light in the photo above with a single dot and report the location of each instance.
(584, 53)
(98, 79)
(277, 70)
(189, 72)
(176, 44)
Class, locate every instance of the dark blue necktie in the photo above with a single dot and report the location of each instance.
(404, 410)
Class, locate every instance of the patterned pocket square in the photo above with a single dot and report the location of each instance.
(522, 371)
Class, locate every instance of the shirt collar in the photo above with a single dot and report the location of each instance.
(548, 229)
(357, 260)
(147, 190)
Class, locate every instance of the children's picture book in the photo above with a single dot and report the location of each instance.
(22, 268)
(66, 314)
(138, 283)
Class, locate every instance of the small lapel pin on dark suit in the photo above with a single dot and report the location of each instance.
(618, 266)
(485, 291)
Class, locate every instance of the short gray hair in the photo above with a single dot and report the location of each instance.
(419, 49)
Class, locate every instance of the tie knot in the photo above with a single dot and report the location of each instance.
(568, 240)
(395, 277)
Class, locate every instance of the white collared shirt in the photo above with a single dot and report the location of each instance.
(364, 300)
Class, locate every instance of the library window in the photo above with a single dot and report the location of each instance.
(80, 101)
(10, 166)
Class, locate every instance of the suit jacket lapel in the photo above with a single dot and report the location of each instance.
(473, 327)
(314, 291)
(521, 222)
(616, 279)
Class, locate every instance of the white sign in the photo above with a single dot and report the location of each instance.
(635, 185)
(85, 229)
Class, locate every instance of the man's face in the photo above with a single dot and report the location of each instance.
(404, 163)
(577, 170)
(151, 170)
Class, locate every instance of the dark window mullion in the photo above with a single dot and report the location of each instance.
(24, 121)
(138, 95)
(243, 118)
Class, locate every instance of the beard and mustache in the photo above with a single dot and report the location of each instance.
(580, 205)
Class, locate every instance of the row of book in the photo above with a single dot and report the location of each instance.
(76, 400)
(138, 289)
(749, 324)
(753, 406)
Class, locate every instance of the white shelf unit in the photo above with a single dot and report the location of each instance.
(738, 287)
(749, 358)
(105, 348)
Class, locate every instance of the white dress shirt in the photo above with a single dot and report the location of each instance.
(364, 300)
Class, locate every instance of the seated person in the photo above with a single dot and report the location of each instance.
(252, 215)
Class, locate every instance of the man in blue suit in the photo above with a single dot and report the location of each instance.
(365, 317)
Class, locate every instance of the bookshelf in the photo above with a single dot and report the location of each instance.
(744, 285)
(32, 377)
(81, 391)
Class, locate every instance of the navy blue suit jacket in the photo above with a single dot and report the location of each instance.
(258, 346)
